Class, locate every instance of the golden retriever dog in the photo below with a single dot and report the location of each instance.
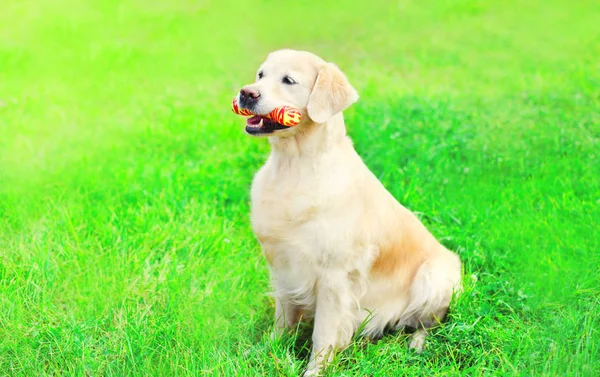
(340, 248)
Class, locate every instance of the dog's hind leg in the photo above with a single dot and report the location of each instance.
(430, 295)
(417, 341)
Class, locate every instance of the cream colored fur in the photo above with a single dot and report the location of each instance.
(339, 247)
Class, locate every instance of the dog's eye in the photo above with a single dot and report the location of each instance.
(288, 80)
(260, 74)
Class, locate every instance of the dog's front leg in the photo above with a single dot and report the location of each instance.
(334, 319)
(287, 314)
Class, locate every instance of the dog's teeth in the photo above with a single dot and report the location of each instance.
(256, 125)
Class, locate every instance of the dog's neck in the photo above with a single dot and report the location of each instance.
(311, 141)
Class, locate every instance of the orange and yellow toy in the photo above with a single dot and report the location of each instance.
(284, 115)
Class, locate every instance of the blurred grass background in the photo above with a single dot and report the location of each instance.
(125, 247)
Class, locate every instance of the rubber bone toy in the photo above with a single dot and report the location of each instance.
(284, 115)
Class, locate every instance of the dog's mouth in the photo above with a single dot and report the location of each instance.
(260, 125)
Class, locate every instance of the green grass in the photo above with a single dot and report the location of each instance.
(125, 244)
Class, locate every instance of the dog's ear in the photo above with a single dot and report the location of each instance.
(331, 94)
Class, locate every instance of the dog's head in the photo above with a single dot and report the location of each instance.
(298, 79)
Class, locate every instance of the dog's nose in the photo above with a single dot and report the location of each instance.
(248, 97)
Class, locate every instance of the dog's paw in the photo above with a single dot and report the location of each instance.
(276, 333)
(418, 341)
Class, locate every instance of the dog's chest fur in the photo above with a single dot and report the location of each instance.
(302, 216)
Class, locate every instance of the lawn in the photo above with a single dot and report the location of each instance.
(125, 244)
